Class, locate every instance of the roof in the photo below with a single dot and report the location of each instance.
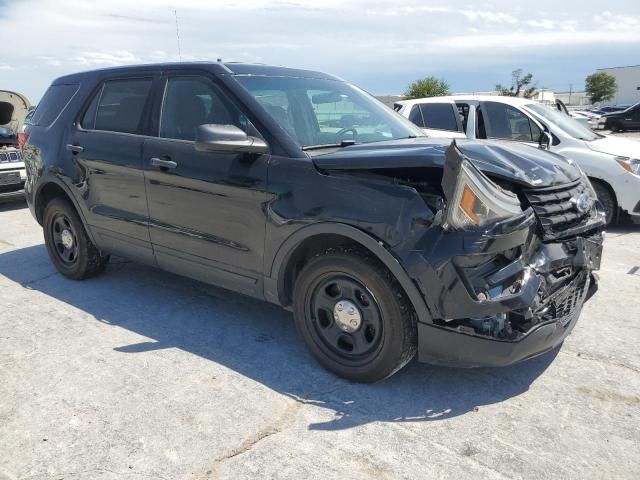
(518, 101)
(223, 68)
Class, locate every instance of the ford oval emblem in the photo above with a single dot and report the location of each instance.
(582, 202)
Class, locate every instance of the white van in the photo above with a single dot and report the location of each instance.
(612, 164)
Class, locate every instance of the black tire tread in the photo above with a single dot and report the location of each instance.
(92, 263)
(408, 315)
(607, 199)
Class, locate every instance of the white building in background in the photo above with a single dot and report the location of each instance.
(628, 80)
(575, 99)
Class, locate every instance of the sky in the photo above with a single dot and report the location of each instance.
(379, 45)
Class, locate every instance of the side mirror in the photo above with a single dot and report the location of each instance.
(227, 138)
(545, 140)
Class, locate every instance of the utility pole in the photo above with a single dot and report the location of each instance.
(570, 92)
(175, 12)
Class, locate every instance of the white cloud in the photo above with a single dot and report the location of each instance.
(488, 16)
(543, 23)
(105, 57)
(358, 39)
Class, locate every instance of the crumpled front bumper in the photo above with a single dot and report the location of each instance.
(507, 271)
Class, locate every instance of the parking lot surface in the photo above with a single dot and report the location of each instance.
(140, 374)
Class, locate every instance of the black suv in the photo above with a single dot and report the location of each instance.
(298, 188)
(628, 119)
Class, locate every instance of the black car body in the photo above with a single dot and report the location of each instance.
(627, 119)
(264, 206)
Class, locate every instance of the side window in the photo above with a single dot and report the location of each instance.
(509, 123)
(118, 106)
(193, 101)
(481, 129)
(88, 121)
(415, 116)
(439, 116)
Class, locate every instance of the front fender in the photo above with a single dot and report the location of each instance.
(274, 280)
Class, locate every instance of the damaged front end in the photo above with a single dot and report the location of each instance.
(505, 273)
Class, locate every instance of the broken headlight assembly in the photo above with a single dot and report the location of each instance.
(474, 200)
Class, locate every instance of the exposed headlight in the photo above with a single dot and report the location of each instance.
(478, 202)
(629, 164)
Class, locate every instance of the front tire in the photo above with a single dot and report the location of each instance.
(353, 316)
(70, 249)
(617, 128)
(607, 200)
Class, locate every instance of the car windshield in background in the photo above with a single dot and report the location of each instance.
(319, 112)
(563, 122)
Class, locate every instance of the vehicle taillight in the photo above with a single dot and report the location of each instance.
(22, 139)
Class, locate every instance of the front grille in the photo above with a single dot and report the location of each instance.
(556, 209)
(563, 305)
(11, 157)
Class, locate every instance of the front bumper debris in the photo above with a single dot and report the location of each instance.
(502, 296)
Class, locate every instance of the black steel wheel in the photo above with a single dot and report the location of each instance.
(353, 316)
(70, 248)
(64, 239)
(345, 316)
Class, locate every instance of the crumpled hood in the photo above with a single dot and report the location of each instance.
(513, 161)
(620, 147)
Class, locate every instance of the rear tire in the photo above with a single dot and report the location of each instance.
(70, 249)
(353, 316)
(607, 200)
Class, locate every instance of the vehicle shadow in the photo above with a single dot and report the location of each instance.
(258, 340)
(8, 205)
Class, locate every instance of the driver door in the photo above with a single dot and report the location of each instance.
(206, 209)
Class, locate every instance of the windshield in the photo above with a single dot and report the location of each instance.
(563, 121)
(319, 112)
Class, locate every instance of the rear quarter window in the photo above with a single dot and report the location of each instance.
(55, 99)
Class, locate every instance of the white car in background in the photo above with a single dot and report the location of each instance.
(612, 164)
(13, 110)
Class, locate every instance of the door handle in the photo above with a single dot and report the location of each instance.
(159, 162)
(75, 148)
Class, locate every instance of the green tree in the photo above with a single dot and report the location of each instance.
(600, 86)
(518, 84)
(427, 87)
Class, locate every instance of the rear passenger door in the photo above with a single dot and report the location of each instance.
(107, 143)
(438, 119)
(207, 209)
(501, 121)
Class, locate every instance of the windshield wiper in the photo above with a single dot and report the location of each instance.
(343, 143)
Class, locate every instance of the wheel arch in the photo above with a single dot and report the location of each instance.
(54, 188)
(314, 238)
(611, 191)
